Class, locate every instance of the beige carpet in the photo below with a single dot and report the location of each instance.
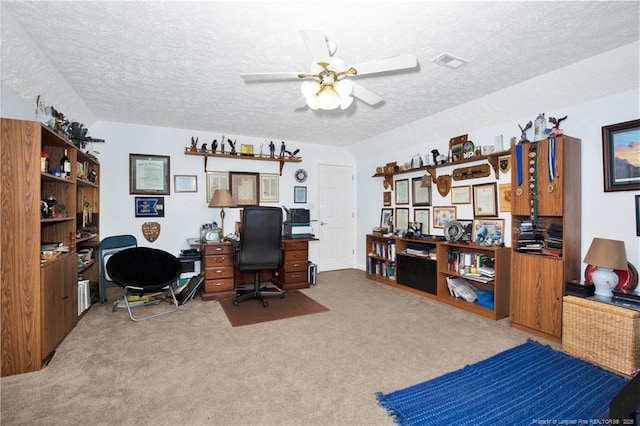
(192, 368)
(251, 311)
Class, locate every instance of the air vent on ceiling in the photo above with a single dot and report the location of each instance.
(450, 61)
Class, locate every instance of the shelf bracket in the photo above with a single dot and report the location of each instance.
(281, 166)
(493, 160)
(205, 164)
(432, 172)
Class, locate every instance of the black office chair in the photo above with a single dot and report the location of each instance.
(260, 248)
(144, 270)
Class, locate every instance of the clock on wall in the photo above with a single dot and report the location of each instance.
(301, 175)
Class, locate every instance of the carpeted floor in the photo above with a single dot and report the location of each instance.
(525, 385)
(192, 367)
(294, 304)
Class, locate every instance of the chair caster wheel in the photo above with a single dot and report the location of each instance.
(265, 303)
(282, 296)
(235, 302)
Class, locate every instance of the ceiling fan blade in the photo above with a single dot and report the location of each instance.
(300, 103)
(365, 95)
(390, 64)
(316, 44)
(257, 76)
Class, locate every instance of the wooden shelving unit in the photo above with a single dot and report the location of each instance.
(255, 157)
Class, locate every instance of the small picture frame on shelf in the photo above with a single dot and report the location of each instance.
(488, 232)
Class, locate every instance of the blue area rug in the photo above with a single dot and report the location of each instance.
(525, 385)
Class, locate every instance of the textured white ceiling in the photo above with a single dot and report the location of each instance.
(178, 64)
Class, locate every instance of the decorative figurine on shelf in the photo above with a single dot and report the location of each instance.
(233, 147)
(556, 130)
(93, 176)
(203, 148)
(539, 128)
(293, 154)
(283, 149)
(435, 153)
(194, 145)
(214, 145)
(523, 132)
(222, 144)
(261, 154)
(272, 149)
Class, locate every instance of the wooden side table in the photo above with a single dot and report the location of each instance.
(603, 333)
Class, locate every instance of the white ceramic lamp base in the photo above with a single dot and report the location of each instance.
(605, 280)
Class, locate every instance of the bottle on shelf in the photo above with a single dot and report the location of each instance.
(65, 165)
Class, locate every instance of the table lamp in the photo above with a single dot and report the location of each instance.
(222, 198)
(606, 255)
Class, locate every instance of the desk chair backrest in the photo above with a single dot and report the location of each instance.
(108, 247)
(260, 244)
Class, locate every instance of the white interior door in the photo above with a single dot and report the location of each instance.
(335, 217)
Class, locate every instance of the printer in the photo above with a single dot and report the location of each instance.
(297, 224)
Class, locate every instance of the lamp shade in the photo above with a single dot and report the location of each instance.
(221, 198)
(605, 253)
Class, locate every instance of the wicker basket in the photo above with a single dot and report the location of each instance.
(599, 332)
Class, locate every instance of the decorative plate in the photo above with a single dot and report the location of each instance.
(627, 280)
(453, 230)
(301, 175)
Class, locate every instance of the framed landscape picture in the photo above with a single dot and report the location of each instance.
(621, 156)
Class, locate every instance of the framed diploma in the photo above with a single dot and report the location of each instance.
(402, 191)
(149, 174)
(185, 183)
(485, 200)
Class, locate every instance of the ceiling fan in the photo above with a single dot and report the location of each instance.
(327, 85)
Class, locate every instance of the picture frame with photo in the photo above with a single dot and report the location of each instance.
(386, 218)
(443, 214)
(488, 232)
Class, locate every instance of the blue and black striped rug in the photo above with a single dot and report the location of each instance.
(526, 385)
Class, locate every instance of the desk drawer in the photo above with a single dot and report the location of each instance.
(297, 265)
(215, 249)
(296, 255)
(222, 284)
(218, 272)
(296, 245)
(294, 277)
(219, 260)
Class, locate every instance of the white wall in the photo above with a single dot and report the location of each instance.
(607, 215)
(185, 212)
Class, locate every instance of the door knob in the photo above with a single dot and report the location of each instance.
(323, 223)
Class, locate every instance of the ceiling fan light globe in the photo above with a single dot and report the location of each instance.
(328, 98)
(343, 87)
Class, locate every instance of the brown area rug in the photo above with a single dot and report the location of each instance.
(251, 311)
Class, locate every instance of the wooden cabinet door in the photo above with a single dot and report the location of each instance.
(520, 192)
(536, 293)
(53, 306)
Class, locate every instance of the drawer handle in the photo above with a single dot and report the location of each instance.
(295, 275)
(219, 271)
(217, 284)
(296, 264)
(218, 249)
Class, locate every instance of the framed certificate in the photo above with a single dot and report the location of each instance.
(149, 174)
(185, 183)
(485, 200)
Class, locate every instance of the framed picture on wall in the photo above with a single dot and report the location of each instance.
(485, 200)
(386, 218)
(421, 190)
(149, 174)
(386, 198)
(245, 188)
(422, 216)
(402, 191)
(299, 194)
(488, 232)
(216, 180)
(149, 206)
(402, 218)
(621, 160)
(269, 187)
(442, 215)
(185, 183)
(461, 194)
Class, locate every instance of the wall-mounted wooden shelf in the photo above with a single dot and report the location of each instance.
(492, 158)
(257, 157)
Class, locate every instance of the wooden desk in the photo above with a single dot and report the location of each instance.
(221, 276)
